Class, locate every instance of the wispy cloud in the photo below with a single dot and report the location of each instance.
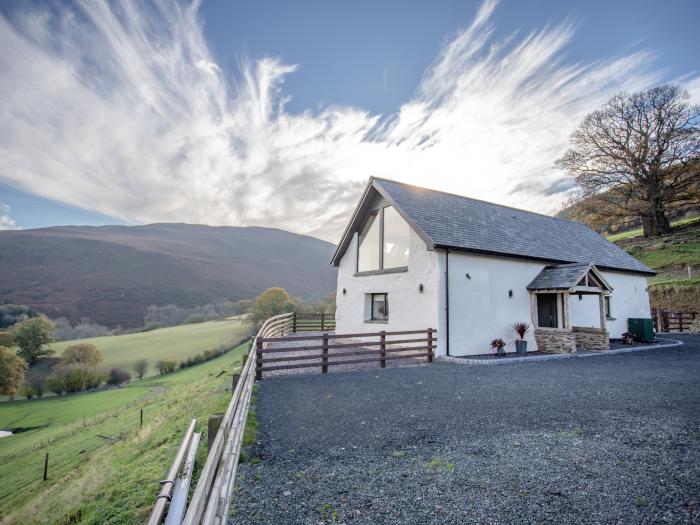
(7, 222)
(122, 109)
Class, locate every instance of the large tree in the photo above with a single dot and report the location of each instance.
(32, 336)
(11, 372)
(273, 301)
(639, 153)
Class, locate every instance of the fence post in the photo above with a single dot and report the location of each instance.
(141, 421)
(258, 359)
(680, 322)
(234, 381)
(323, 324)
(382, 349)
(430, 345)
(294, 322)
(324, 356)
(212, 428)
(46, 467)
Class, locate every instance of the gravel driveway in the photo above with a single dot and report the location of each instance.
(605, 439)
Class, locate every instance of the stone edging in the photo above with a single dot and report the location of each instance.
(482, 362)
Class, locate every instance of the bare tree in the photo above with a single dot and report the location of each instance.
(140, 368)
(640, 153)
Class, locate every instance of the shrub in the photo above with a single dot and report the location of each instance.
(27, 391)
(165, 366)
(117, 376)
(75, 377)
(82, 353)
(194, 319)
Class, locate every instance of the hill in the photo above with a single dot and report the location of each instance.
(110, 274)
(676, 258)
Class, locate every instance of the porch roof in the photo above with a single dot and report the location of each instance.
(569, 277)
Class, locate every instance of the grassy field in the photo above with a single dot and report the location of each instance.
(94, 479)
(177, 342)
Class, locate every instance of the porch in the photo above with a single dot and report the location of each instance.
(569, 306)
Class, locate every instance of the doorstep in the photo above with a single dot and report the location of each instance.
(550, 357)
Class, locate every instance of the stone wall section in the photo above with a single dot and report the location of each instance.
(553, 340)
(591, 339)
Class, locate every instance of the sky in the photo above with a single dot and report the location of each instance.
(276, 113)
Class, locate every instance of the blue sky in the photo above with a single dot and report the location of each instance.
(275, 113)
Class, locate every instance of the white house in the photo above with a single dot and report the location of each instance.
(413, 258)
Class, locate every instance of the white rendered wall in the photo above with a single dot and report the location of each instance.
(585, 311)
(480, 309)
(409, 309)
(629, 298)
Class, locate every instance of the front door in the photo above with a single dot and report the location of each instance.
(547, 310)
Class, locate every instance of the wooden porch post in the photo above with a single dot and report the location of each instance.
(533, 308)
(601, 305)
(566, 314)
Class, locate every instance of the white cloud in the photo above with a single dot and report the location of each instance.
(122, 110)
(7, 222)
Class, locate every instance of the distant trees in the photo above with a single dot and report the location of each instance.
(64, 331)
(11, 314)
(140, 367)
(640, 155)
(273, 301)
(11, 372)
(32, 336)
(172, 315)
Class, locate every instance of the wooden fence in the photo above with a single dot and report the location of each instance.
(211, 499)
(322, 351)
(673, 321)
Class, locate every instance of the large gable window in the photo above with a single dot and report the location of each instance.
(383, 243)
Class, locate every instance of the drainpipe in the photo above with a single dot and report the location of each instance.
(447, 301)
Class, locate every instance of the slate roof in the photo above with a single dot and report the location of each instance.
(559, 277)
(446, 220)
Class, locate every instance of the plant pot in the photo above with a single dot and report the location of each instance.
(500, 351)
(520, 346)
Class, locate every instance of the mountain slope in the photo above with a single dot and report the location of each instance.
(110, 274)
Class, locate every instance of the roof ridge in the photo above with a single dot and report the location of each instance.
(480, 200)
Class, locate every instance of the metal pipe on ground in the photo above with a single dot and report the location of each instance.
(176, 511)
(169, 482)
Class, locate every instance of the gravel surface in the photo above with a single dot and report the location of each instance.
(609, 439)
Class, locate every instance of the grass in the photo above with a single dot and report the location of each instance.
(98, 479)
(667, 255)
(177, 342)
(440, 464)
(636, 233)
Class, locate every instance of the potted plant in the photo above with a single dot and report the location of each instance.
(521, 329)
(497, 346)
(627, 338)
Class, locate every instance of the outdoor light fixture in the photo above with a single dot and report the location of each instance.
(580, 297)
(343, 291)
(468, 276)
(420, 288)
(510, 293)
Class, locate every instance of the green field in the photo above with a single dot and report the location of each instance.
(177, 342)
(103, 480)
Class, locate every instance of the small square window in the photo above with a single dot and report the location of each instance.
(380, 307)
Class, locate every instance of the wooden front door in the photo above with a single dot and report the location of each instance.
(547, 310)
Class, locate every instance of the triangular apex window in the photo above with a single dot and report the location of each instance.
(383, 241)
(591, 280)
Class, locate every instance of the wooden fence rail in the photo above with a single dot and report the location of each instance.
(211, 498)
(673, 321)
